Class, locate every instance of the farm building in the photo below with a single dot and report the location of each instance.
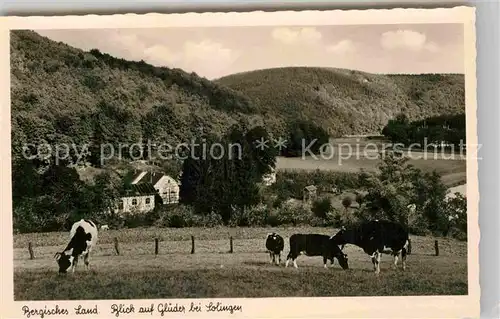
(137, 198)
(310, 193)
(166, 186)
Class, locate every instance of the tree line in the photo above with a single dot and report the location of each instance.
(446, 129)
(228, 192)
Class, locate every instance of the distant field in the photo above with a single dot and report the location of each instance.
(353, 154)
(213, 272)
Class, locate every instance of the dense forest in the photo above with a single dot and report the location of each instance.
(64, 95)
(347, 101)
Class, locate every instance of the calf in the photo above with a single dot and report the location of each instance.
(82, 238)
(376, 237)
(275, 245)
(315, 245)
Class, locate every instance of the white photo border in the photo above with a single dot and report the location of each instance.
(317, 307)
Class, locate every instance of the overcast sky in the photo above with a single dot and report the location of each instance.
(218, 51)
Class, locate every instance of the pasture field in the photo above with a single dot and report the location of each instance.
(353, 154)
(213, 272)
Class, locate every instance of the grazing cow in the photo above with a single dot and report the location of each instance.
(376, 237)
(315, 245)
(82, 238)
(275, 245)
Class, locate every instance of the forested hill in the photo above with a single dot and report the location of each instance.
(63, 94)
(345, 101)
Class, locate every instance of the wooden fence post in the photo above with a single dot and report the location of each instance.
(116, 247)
(192, 244)
(409, 246)
(30, 249)
(436, 247)
(156, 246)
(231, 244)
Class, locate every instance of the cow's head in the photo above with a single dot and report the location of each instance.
(272, 236)
(64, 260)
(336, 252)
(343, 260)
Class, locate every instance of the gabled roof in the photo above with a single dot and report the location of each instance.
(142, 177)
(310, 188)
(143, 189)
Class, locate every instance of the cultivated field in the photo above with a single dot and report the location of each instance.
(213, 272)
(353, 154)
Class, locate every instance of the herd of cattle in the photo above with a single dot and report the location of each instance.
(374, 237)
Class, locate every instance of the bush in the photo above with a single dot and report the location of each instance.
(133, 220)
(346, 202)
(294, 214)
(271, 218)
(209, 220)
(114, 221)
(321, 207)
(25, 219)
(178, 221)
(177, 216)
(456, 209)
(419, 227)
(344, 218)
(252, 216)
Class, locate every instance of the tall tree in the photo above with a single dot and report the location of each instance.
(227, 182)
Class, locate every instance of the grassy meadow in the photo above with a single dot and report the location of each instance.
(214, 272)
(351, 155)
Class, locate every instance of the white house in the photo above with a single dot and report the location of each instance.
(269, 179)
(137, 199)
(166, 186)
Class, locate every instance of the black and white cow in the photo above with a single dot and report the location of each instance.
(377, 237)
(82, 238)
(275, 245)
(315, 245)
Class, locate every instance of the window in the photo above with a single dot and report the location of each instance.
(148, 200)
(134, 201)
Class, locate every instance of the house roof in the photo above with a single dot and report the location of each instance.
(142, 177)
(310, 188)
(143, 189)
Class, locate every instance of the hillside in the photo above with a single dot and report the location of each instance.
(63, 94)
(346, 101)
